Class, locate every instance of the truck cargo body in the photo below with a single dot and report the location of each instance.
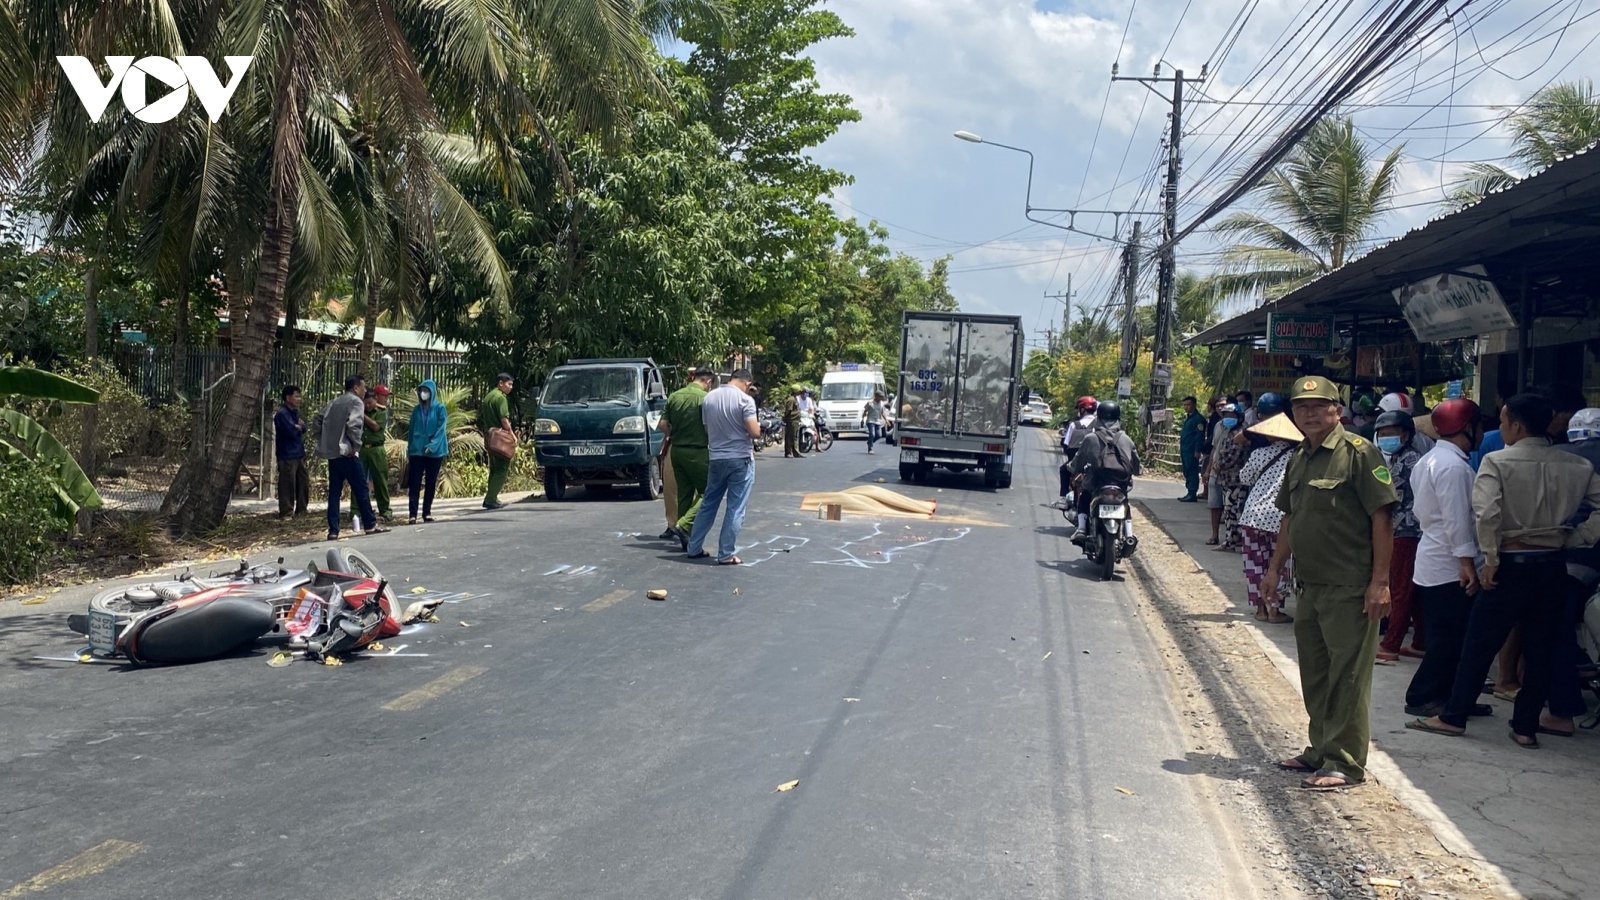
(959, 375)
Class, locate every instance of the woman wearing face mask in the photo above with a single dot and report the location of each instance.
(1227, 460)
(1396, 435)
(426, 447)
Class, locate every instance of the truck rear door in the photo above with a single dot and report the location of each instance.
(927, 375)
(985, 404)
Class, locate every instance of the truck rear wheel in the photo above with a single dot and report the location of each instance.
(907, 472)
(1005, 480)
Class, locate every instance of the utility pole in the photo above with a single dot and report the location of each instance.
(1066, 315)
(1130, 285)
(1161, 370)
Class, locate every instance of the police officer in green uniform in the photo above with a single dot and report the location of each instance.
(1336, 498)
(691, 454)
(375, 453)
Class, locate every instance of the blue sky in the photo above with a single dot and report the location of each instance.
(1036, 75)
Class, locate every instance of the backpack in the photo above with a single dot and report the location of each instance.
(1079, 432)
(1113, 466)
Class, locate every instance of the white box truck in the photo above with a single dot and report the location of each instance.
(957, 404)
(846, 388)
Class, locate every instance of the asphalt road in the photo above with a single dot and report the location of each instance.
(960, 703)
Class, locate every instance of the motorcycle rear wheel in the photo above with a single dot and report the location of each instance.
(1108, 556)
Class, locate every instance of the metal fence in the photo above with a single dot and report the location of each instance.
(319, 372)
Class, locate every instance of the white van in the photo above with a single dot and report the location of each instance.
(846, 388)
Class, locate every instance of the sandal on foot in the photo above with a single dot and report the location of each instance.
(1279, 619)
(1296, 764)
(1422, 725)
(1341, 781)
(1212, 542)
(1552, 731)
(730, 561)
(1532, 742)
(701, 555)
(1507, 696)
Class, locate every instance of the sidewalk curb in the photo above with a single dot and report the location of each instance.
(1379, 763)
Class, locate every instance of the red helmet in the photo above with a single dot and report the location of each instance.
(1454, 416)
(1086, 404)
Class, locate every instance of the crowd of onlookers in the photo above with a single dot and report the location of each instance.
(1468, 524)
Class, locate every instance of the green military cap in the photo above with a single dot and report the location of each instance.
(1313, 387)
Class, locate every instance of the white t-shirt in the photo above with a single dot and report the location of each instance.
(724, 412)
(1441, 483)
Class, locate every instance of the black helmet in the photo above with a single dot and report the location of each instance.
(1270, 404)
(1397, 418)
(1108, 411)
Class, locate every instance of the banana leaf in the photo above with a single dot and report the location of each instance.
(45, 385)
(22, 436)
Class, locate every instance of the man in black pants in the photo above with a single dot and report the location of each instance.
(1524, 497)
(1446, 572)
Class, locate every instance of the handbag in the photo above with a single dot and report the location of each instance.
(502, 443)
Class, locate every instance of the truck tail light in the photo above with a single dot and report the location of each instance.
(994, 448)
(909, 442)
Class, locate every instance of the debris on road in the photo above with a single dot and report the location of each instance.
(657, 594)
(787, 786)
(852, 699)
(1047, 655)
(1123, 790)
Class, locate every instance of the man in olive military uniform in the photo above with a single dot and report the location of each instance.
(375, 453)
(496, 413)
(1337, 498)
(691, 454)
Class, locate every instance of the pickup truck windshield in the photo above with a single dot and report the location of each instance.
(587, 386)
(848, 390)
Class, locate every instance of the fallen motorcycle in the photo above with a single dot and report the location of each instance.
(324, 612)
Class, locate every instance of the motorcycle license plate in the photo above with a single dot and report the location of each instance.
(909, 456)
(588, 450)
(1112, 512)
(102, 631)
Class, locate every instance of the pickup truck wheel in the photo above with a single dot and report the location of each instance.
(650, 480)
(907, 472)
(555, 485)
(991, 478)
(1005, 481)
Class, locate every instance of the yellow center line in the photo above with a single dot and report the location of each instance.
(90, 862)
(611, 599)
(435, 688)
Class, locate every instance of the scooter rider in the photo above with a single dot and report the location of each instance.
(1106, 457)
(1072, 437)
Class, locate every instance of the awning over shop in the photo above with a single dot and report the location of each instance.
(1537, 241)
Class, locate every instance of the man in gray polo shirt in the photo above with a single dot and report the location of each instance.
(731, 427)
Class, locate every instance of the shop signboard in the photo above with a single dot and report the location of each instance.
(1298, 334)
(1454, 305)
(1271, 371)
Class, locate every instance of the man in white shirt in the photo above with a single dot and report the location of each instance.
(1446, 570)
(731, 425)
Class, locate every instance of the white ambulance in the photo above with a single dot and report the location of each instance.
(846, 389)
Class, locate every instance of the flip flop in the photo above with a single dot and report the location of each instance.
(1552, 731)
(1533, 743)
(701, 555)
(1212, 542)
(1508, 696)
(1345, 782)
(1422, 725)
(1280, 619)
(1296, 764)
(730, 561)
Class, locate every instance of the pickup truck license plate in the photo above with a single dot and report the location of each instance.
(102, 631)
(910, 456)
(587, 450)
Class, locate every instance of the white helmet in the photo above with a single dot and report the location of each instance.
(1395, 403)
(1585, 425)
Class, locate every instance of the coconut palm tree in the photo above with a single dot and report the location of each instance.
(1319, 204)
(1555, 123)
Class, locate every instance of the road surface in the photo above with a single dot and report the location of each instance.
(968, 712)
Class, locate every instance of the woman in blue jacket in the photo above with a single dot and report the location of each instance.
(426, 447)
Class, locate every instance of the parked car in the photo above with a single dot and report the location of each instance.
(1035, 412)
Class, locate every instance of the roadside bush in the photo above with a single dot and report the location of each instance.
(28, 519)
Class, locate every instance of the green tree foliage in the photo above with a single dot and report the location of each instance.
(854, 311)
(635, 259)
(1319, 203)
(1555, 123)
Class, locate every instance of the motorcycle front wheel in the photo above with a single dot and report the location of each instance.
(356, 563)
(805, 442)
(824, 440)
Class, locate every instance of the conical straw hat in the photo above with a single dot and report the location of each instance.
(1278, 427)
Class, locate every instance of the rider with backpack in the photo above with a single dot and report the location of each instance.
(1106, 457)
(1073, 434)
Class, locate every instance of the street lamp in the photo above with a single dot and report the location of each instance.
(1072, 214)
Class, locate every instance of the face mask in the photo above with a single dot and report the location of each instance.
(1229, 422)
(425, 396)
(1390, 444)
